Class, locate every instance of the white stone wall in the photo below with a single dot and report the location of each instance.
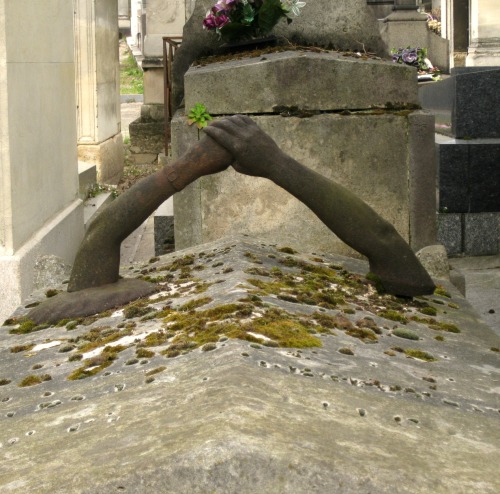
(484, 32)
(37, 115)
(40, 212)
(98, 92)
(164, 18)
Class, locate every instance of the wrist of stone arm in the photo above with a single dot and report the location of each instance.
(181, 174)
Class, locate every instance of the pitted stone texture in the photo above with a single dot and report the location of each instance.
(313, 81)
(248, 418)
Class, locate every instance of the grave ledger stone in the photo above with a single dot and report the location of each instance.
(330, 394)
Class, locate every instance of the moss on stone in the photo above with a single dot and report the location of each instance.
(144, 353)
(393, 315)
(194, 304)
(27, 326)
(420, 355)
(429, 311)
(33, 380)
(21, 348)
(441, 291)
(96, 364)
(405, 333)
(156, 370)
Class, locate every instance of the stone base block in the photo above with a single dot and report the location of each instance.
(471, 234)
(481, 234)
(357, 151)
(164, 228)
(147, 136)
(313, 81)
(469, 175)
(60, 237)
(108, 156)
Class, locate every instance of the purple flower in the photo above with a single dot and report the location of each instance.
(409, 56)
(221, 20)
(209, 22)
(224, 5)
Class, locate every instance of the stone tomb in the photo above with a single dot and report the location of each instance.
(345, 117)
(375, 394)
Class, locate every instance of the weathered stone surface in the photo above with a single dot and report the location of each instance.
(50, 270)
(435, 261)
(313, 81)
(247, 417)
(147, 137)
(355, 150)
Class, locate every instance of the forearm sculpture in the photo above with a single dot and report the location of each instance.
(95, 285)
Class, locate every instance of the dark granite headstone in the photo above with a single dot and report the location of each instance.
(471, 96)
(469, 176)
(476, 111)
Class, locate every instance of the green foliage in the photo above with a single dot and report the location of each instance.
(131, 77)
(199, 115)
(269, 14)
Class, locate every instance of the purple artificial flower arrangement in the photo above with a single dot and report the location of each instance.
(246, 19)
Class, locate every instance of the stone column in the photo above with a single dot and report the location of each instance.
(98, 96)
(40, 212)
(484, 32)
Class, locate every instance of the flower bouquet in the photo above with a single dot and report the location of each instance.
(234, 20)
(417, 57)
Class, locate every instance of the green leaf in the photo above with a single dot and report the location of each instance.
(235, 30)
(248, 14)
(269, 14)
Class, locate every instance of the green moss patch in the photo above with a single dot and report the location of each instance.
(420, 355)
(33, 380)
(94, 365)
(27, 326)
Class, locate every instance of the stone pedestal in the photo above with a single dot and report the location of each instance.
(147, 133)
(40, 212)
(98, 95)
(384, 155)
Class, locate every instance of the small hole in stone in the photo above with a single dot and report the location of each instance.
(361, 411)
(397, 419)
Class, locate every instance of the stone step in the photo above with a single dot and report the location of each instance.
(94, 205)
(87, 178)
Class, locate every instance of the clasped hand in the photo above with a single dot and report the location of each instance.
(254, 151)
